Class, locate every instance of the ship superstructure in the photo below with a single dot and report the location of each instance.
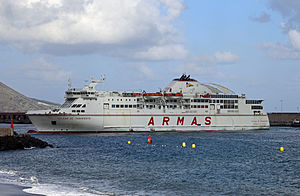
(184, 105)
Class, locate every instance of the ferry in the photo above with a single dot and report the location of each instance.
(185, 105)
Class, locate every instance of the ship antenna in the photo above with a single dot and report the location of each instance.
(69, 83)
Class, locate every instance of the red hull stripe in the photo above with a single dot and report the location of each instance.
(145, 115)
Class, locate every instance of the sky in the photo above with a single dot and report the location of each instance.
(249, 46)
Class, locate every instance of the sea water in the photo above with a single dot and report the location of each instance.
(222, 163)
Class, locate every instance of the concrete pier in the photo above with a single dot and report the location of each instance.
(6, 132)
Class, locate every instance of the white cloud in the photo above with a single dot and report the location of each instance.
(87, 26)
(226, 57)
(165, 52)
(41, 70)
(294, 36)
(279, 51)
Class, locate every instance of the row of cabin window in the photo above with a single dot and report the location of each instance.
(122, 106)
(253, 101)
(229, 107)
(225, 101)
(121, 99)
(78, 105)
(80, 93)
(159, 107)
(256, 107)
(78, 111)
(214, 101)
(199, 106)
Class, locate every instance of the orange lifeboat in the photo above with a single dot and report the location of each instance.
(152, 95)
(207, 95)
(173, 95)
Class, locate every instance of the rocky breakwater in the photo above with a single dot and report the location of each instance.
(21, 141)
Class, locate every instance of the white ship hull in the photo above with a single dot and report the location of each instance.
(147, 123)
(184, 105)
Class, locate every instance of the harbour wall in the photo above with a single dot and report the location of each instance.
(283, 119)
(6, 132)
(276, 119)
(17, 117)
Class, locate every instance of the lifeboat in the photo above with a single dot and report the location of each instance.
(173, 95)
(152, 95)
(207, 95)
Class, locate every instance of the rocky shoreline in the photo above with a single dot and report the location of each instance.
(20, 142)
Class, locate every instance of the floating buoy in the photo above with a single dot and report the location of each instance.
(129, 142)
(281, 149)
(183, 144)
(193, 146)
(149, 141)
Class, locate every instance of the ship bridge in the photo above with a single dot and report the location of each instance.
(187, 85)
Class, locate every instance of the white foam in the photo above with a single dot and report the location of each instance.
(57, 190)
(8, 172)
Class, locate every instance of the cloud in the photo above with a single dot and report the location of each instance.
(289, 50)
(89, 26)
(289, 9)
(41, 70)
(166, 52)
(226, 57)
(294, 36)
(263, 18)
(279, 51)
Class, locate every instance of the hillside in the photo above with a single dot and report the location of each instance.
(13, 101)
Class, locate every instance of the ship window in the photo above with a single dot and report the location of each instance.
(236, 101)
(236, 107)
(221, 101)
(214, 101)
(120, 99)
(117, 106)
(256, 107)
(134, 106)
(53, 122)
(122, 106)
(206, 106)
(126, 106)
(78, 106)
(73, 106)
(84, 106)
(82, 110)
(78, 110)
(73, 110)
(130, 106)
(221, 107)
(113, 105)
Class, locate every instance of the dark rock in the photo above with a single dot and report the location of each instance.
(19, 142)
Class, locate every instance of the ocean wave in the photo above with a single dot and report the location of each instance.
(58, 190)
(9, 172)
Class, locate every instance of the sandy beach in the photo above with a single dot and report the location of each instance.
(14, 190)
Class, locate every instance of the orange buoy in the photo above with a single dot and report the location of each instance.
(149, 141)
